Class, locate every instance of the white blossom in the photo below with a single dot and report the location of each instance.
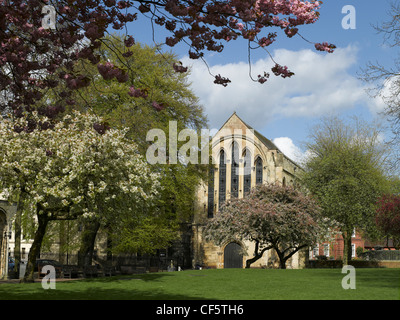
(72, 164)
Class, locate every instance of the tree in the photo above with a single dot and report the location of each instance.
(155, 86)
(272, 217)
(73, 169)
(345, 171)
(108, 99)
(33, 53)
(388, 217)
(384, 80)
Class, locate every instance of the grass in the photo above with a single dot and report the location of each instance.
(224, 284)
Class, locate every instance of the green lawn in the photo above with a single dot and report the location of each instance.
(232, 284)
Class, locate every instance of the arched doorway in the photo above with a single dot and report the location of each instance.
(232, 256)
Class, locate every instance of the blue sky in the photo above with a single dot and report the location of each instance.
(285, 109)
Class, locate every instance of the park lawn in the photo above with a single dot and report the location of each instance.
(223, 284)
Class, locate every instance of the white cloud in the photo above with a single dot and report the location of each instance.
(287, 146)
(322, 84)
(389, 93)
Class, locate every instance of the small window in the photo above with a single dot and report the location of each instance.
(326, 249)
(210, 211)
(235, 170)
(222, 179)
(316, 251)
(259, 171)
(247, 173)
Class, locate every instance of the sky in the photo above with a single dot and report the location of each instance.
(285, 110)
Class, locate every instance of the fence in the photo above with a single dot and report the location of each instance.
(118, 262)
(380, 255)
(145, 261)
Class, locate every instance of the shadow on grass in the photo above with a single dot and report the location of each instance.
(107, 288)
(218, 284)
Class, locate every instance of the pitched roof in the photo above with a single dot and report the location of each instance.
(267, 142)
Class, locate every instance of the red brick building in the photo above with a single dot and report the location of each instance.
(334, 249)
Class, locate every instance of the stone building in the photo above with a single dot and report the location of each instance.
(243, 158)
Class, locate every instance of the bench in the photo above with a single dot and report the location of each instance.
(109, 271)
(90, 272)
(70, 271)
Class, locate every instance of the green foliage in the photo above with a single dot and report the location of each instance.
(347, 173)
(359, 251)
(153, 73)
(144, 236)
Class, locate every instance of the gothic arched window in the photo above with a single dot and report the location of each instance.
(247, 173)
(259, 171)
(222, 179)
(235, 170)
(210, 212)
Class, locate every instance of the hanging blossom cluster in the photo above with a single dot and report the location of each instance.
(34, 59)
(74, 167)
(209, 22)
(325, 47)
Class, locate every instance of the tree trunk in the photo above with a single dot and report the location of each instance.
(252, 260)
(109, 244)
(257, 254)
(282, 260)
(43, 220)
(85, 254)
(17, 247)
(347, 247)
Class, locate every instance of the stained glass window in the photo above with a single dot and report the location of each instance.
(235, 170)
(259, 171)
(210, 212)
(222, 179)
(247, 173)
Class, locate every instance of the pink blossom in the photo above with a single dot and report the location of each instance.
(158, 106)
(279, 70)
(325, 47)
(137, 93)
(129, 41)
(178, 67)
(203, 25)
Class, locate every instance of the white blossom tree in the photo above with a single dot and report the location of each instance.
(73, 168)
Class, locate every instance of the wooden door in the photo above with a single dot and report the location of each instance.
(232, 256)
